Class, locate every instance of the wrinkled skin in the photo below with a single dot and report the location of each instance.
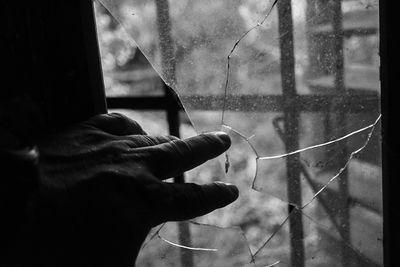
(102, 189)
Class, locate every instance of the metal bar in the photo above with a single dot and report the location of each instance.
(165, 43)
(184, 234)
(359, 259)
(260, 103)
(331, 194)
(347, 33)
(168, 73)
(291, 122)
(340, 119)
(142, 103)
(390, 153)
(307, 175)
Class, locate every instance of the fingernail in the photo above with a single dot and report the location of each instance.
(224, 136)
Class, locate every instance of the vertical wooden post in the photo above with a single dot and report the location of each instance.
(291, 120)
(168, 72)
(340, 119)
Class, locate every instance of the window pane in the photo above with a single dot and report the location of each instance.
(296, 85)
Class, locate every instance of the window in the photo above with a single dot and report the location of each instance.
(296, 85)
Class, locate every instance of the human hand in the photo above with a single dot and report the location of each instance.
(101, 190)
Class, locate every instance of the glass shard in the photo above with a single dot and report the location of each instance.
(324, 246)
(209, 246)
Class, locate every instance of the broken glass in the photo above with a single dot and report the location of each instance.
(324, 246)
(296, 86)
(208, 246)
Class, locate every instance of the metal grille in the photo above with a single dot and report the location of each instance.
(290, 103)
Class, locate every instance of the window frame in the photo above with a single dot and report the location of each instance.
(284, 102)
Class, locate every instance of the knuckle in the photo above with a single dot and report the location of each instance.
(126, 122)
(118, 117)
(171, 137)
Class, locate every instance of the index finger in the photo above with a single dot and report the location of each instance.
(115, 124)
(175, 157)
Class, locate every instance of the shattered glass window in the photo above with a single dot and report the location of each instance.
(296, 86)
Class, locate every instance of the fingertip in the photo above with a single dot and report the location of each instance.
(231, 190)
(217, 139)
(224, 137)
(177, 156)
(188, 200)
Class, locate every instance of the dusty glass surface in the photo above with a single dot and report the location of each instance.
(296, 85)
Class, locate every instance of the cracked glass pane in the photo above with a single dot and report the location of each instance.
(317, 160)
(296, 86)
(207, 246)
(324, 245)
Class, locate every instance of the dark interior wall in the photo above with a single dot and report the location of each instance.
(50, 54)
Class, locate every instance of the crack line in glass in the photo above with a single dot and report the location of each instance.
(247, 139)
(128, 35)
(200, 249)
(273, 264)
(240, 39)
(273, 234)
(233, 49)
(349, 246)
(323, 144)
(347, 163)
(153, 236)
(186, 247)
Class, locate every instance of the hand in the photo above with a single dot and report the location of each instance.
(102, 190)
